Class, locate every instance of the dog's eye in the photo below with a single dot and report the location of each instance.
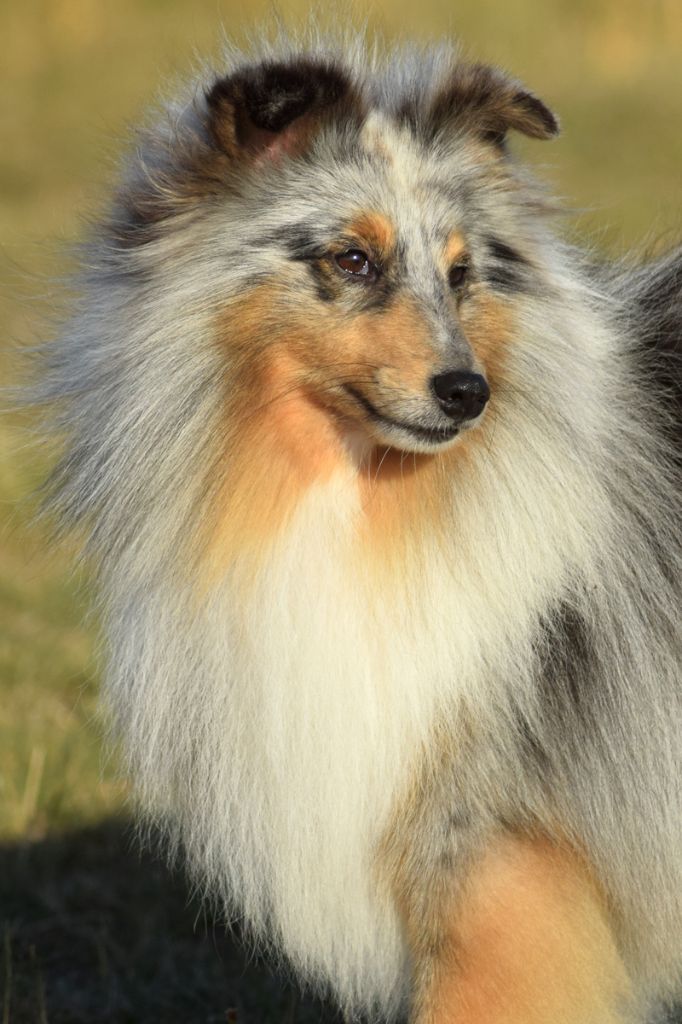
(357, 262)
(458, 275)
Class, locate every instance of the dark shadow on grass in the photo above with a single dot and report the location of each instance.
(93, 931)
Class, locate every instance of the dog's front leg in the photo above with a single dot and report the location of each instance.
(525, 941)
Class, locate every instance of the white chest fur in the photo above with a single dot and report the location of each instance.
(331, 699)
(281, 722)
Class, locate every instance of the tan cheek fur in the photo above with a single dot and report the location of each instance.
(488, 323)
(397, 342)
(285, 429)
(278, 439)
(526, 942)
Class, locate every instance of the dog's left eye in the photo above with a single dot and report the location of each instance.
(458, 275)
(358, 263)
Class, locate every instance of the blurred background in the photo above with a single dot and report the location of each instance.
(90, 929)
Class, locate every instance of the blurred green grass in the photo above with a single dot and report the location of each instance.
(76, 74)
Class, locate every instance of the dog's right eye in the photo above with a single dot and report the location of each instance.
(357, 263)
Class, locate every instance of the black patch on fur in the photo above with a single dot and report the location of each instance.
(567, 655)
(657, 294)
(323, 285)
(301, 246)
(298, 241)
(258, 102)
(567, 664)
(364, 296)
(504, 278)
(508, 272)
(503, 252)
(276, 94)
(377, 296)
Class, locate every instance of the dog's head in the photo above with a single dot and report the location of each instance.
(316, 264)
(374, 240)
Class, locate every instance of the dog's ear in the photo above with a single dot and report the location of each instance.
(272, 109)
(483, 100)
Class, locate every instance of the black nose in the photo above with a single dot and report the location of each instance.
(461, 395)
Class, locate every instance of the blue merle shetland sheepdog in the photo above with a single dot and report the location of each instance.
(381, 478)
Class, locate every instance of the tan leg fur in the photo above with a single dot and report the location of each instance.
(525, 942)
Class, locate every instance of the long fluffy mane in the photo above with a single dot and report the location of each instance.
(513, 658)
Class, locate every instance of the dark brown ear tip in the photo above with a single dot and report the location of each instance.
(543, 124)
(219, 91)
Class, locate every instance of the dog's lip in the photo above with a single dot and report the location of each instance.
(434, 435)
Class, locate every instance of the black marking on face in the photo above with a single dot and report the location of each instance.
(298, 241)
(324, 285)
(302, 244)
(503, 252)
(376, 296)
(506, 269)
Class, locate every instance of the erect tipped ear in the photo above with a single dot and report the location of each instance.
(483, 100)
(274, 108)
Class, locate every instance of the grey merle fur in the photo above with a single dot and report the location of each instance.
(572, 682)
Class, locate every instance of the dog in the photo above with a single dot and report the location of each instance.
(381, 480)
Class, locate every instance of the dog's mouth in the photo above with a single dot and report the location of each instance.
(422, 435)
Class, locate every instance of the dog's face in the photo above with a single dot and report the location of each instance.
(371, 309)
(380, 254)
